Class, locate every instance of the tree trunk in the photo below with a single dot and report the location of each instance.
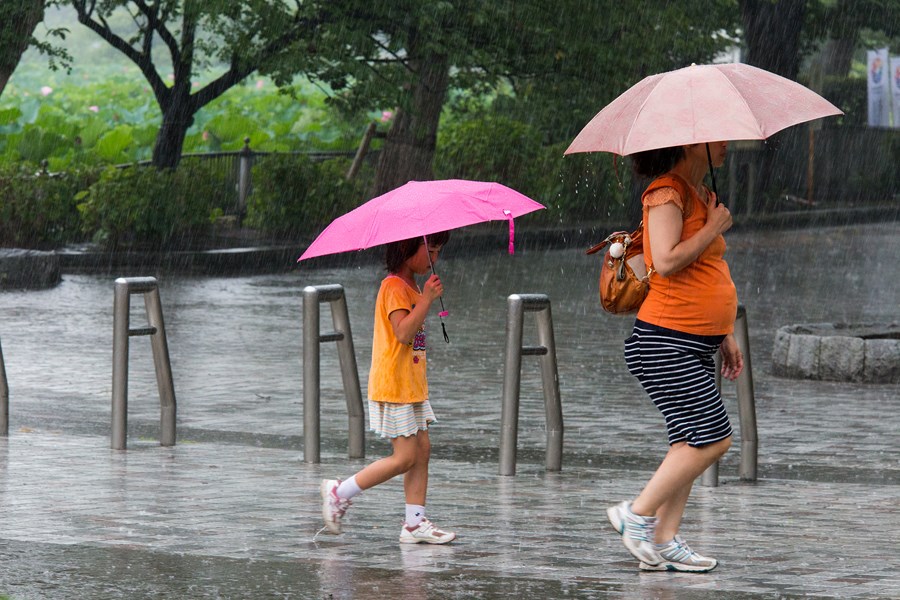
(16, 35)
(409, 148)
(178, 116)
(772, 34)
(772, 37)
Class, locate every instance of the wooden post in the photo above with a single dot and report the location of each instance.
(361, 151)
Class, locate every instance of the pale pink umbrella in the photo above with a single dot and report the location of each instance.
(697, 104)
(419, 208)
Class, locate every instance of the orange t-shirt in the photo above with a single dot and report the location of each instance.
(398, 370)
(701, 298)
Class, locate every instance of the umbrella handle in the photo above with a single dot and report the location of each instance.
(712, 173)
(443, 312)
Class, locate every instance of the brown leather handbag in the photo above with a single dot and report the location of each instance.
(624, 277)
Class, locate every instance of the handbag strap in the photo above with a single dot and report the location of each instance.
(609, 239)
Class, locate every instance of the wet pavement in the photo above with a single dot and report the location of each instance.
(232, 511)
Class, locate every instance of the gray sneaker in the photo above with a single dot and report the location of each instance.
(678, 556)
(636, 532)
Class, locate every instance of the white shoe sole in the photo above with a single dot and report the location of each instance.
(679, 567)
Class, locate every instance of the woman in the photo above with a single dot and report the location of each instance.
(687, 316)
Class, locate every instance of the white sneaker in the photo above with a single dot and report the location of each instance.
(333, 506)
(678, 556)
(425, 532)
(636, 532)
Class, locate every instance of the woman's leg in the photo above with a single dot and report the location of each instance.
(403, 459)
(666, 494)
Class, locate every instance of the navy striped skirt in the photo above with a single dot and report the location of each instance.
(678, 371)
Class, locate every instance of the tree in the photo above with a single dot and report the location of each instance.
(415, 54)
(407, 54)
(17, 23)
(237, 36)
(772, 34)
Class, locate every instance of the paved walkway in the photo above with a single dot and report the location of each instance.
(232, 511)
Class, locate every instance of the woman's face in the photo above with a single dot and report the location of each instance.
(717, 151)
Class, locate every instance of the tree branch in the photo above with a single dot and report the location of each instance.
(143, 60)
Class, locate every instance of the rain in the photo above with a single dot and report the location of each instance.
(232, 510)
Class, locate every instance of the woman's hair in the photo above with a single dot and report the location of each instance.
(653, 163)
(397, 253)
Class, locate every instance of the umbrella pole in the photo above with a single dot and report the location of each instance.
(712, 173)
(443, 312)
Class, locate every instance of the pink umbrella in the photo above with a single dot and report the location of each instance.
(700, 103)
(419, 208)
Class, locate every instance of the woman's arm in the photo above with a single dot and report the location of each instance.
(670, 253)
(732, 359)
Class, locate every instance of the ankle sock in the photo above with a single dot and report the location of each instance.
(348, 488)
(415, 514)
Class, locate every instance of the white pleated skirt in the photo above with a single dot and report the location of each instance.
(391, 420)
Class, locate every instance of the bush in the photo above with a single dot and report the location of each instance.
(292, 195)
(39, 209)
(146, 207)
(577, 187)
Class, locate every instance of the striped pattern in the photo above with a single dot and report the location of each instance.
(677, 370)
(390, 420)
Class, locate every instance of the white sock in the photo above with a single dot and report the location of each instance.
(348, 488)
(415, 514)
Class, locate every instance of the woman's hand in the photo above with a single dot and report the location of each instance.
(717, 215)
(732, 359)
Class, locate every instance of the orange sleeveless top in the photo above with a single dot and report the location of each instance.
(701, 298)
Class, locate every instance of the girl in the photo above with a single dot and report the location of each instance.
(687, 316)
(398, 391)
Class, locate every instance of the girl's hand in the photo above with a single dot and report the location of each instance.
(433, 289)
(717, 217)
(732, 359)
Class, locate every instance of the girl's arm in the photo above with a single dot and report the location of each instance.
(670, 253)
(406, 323)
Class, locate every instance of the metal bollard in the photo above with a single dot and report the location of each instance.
(509, 421)
(124, 288)
(4, 398)
(312, 297)
(746, 408)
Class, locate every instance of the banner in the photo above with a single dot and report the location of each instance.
(879, 93)
(895, 89)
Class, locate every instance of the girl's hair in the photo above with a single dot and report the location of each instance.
(653, 163)
(397, 253)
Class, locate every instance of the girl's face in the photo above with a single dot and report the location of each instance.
(418, 262)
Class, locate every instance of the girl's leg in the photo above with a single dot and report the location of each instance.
(415, 480)
(666, 494)
(402, 460)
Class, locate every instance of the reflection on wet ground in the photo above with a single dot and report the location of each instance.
(231, 511)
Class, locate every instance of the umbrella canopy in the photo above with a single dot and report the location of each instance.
(700, 103)
(419, 208)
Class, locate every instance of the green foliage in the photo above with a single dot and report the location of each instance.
(147, 207)
(38, 209)
(114, 121)
(497, 149)
(578, 187)
(293, 195)
(848, 94)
